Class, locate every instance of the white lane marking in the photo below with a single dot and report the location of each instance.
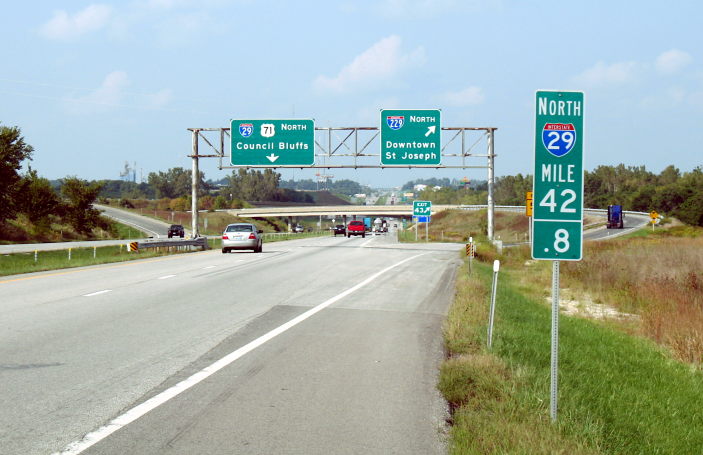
(209, 267)
(367, 242)
(136, 412)
(165, 277)
(97, 293)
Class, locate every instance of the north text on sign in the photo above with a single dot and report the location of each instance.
(558, 107)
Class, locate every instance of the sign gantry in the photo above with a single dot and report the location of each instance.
(414, 135)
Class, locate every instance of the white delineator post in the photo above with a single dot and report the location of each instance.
(491, 317)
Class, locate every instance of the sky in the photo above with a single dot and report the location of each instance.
(93, 85)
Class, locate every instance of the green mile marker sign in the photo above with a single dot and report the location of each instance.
(272, 142)
(558, 176)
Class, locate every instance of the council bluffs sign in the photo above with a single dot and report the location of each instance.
(410, 137)
(273, 143)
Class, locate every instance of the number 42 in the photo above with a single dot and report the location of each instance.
(549, 200)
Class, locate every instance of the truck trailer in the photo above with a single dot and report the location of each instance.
(615, 217)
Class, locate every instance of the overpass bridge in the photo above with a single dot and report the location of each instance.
(343, 212)
(334, 210)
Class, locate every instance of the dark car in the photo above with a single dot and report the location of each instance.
(176, 230)
(340, 229)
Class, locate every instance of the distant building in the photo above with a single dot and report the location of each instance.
(419, 187)
(360, 196)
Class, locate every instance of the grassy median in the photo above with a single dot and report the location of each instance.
(619, 392)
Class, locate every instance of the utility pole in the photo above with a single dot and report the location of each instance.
(491, 202)
(194, 192)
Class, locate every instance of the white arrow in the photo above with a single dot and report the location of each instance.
(431, 130)
(272, 157)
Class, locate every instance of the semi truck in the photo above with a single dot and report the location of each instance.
(615, 217)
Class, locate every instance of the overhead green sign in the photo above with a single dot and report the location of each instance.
(410, 137)
(272, 142)
(558, 176)
(422, 208)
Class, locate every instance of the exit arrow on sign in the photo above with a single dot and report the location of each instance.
(272, 158)
(431, 130)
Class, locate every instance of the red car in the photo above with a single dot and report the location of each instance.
(356, 228)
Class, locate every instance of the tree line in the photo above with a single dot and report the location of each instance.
(344, 186)
(34, 197)
(670, 192)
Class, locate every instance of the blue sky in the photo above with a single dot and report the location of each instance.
(95, 84)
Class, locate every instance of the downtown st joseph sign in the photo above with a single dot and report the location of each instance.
(558, 176)
(410, 137)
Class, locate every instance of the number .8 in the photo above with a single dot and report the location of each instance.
(561, 237)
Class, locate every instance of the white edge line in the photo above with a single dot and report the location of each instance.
(97, 293)
(136, 412)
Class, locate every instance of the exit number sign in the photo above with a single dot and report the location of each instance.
(558, 176)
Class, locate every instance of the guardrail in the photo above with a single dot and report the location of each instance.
(200, 242)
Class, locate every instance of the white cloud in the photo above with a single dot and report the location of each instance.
(672, 61)
(113, 93)
(160, 98)
(469, 96)
(376, 65)
(110, 92)
(369, 113)
(614, 74)
(64, 26)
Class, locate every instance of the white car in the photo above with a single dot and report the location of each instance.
(242, 236)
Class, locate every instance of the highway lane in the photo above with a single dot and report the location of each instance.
(632, 222)
(153, 227)
(82, 346)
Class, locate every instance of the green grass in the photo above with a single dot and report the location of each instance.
(14, 264)
(128, 232)
(618, 394)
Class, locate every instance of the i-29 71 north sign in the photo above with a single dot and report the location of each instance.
(287, 142)
(558, 176)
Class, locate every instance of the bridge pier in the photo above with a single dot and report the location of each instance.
(290, 224)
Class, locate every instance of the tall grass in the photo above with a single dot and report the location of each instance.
(618, 394)
(459, 225)
(657, 277)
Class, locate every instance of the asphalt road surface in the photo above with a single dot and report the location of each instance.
(315, 346)
(631, 223)
(153, 227)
